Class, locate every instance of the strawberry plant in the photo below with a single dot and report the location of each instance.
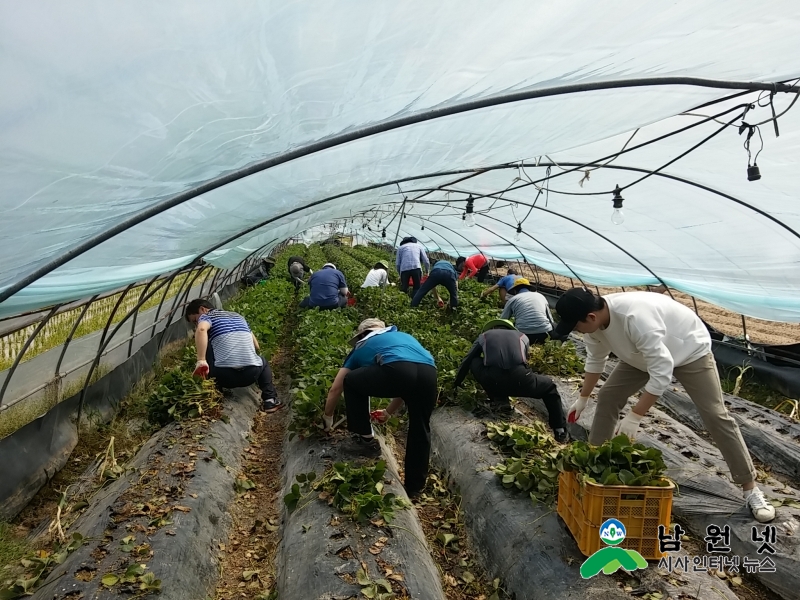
(180, 396)
(357, 491)
(616, 462)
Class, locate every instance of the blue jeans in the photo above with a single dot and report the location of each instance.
(438, 277)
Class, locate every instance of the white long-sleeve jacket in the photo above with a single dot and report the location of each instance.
(650, 332)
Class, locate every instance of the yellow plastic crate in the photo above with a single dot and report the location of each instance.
(641, 509)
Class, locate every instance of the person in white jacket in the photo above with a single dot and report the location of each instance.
(654, 338)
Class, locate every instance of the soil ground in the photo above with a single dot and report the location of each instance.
(247, 560)
(439, 511)
(729, 323)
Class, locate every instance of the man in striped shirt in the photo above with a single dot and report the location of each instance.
(228, 351)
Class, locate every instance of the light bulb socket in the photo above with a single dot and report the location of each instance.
(617, 197)
(519, 227)
(470, 205)
(383, 233)
(753, 173)
(464, 217)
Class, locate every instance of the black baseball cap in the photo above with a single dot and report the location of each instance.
(572, 307)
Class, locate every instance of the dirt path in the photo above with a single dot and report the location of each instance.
(247, 560)
(729, 323)
(439, 511)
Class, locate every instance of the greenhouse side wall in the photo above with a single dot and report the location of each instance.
(40, 449)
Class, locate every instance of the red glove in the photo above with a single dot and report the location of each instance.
(379, 416)
(201, 369)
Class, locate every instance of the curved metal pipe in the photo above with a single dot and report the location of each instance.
(133, 323)
(24, 349)
(382, 127)
(72, 333)
(103, 343)
(563, 262)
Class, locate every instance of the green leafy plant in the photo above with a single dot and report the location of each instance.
(38, 566)
(379, 589)
(616, 462)
(556, 358)
(299, 490)
(521, 440)
(357, 491)
(180, 396)
(535, 461)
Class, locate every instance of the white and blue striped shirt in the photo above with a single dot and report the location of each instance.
(230, 339)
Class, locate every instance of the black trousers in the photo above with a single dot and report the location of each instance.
(519, 381)
(482, 273)
(228, 377)
(416, 384)
(415, 275)
(539, 338)
(438, 277)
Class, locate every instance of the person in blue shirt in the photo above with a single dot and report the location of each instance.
(386, 363)
(504, 285)
(442, 273)
(328, 289)
(411, 257)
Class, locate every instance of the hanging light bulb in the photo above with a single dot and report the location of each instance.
(617, 217)
(518, 234)
(469, 217)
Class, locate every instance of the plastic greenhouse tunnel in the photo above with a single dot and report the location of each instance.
(152, 154)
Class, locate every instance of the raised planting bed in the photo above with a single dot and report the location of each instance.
(325, 553)
(524, 543)
(168, 511)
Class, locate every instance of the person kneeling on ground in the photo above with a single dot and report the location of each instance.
(499, 363)
(297, 267)
(227, 351)
(504, 284)
(442, 273)
(530, 312)
(378, 275)
(655, 338)
(328, 289)
(386, 363)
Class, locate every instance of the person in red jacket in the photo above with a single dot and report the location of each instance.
(477, 264)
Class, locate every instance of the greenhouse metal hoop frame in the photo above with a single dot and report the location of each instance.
(337, 140)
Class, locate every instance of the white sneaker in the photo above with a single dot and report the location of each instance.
(762, 510)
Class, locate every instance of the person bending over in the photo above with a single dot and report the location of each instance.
(328, 289)
(504, 284)
(297, 267)
(386, 363)
(499, 363)
(530, 311)
(442, 273)
(378, 275)
(655, 338)
(227, 351)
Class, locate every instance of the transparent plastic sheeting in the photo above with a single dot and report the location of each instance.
(108, 108)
